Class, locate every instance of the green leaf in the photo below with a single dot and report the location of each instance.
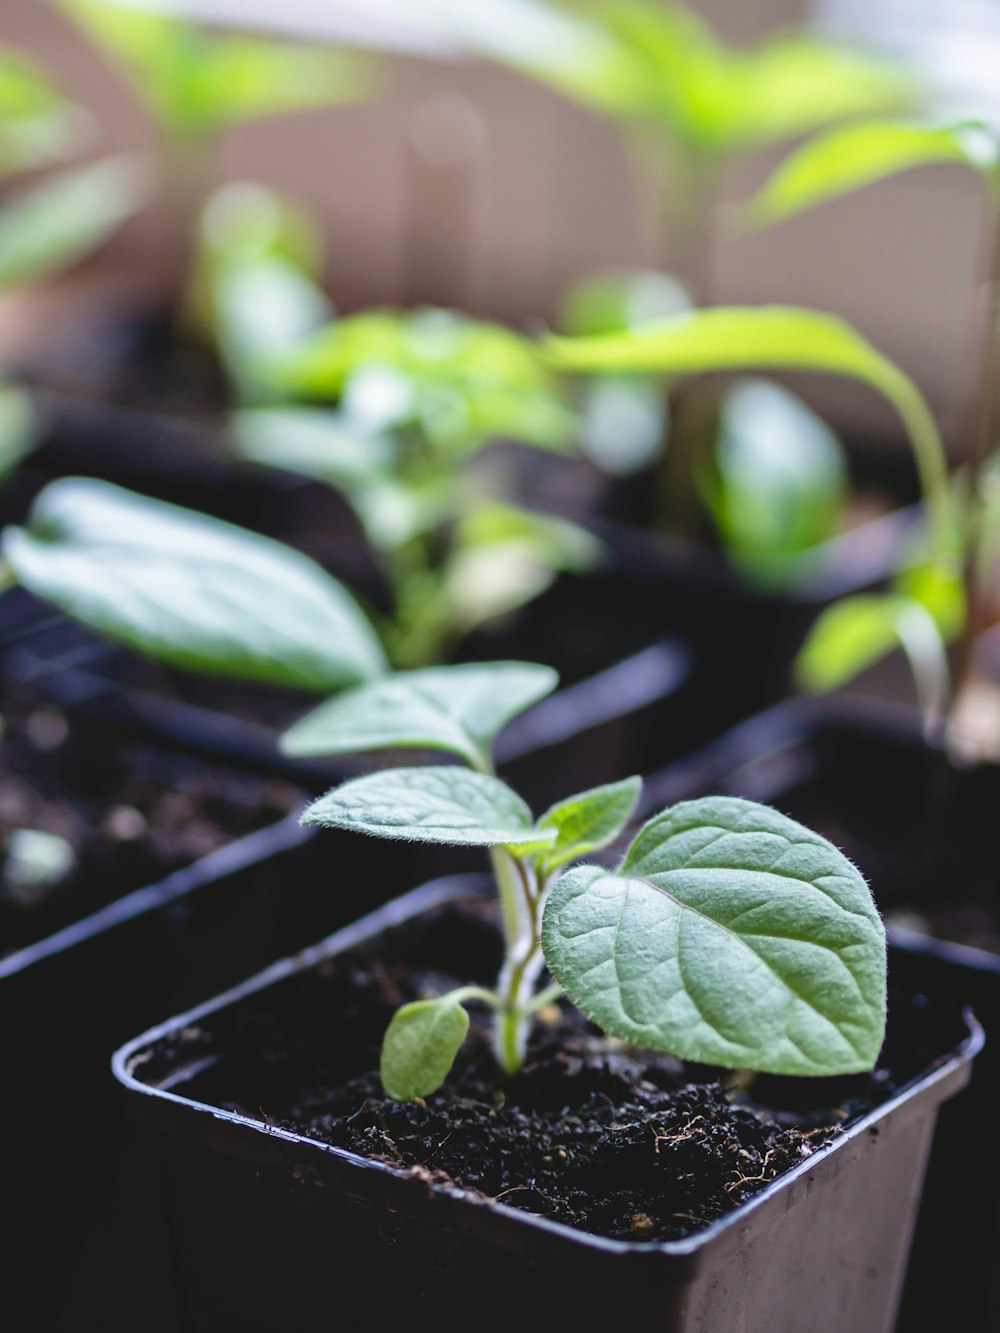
(730, 935)
(19, 427)
(460, 381)
(445, 804)
(846, 158)
(458, 708)
(36, 123)
(779, 482)
(316, 441)
(196, 80)
(420, 1046)
(60, 221)
(726, 338)
(856, 632)
(504, 556)
(190, 590)
(587, 821)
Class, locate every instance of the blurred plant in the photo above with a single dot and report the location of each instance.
(417, 398)
(930, 605)
(196, 82)
(689, 108)
(780, 338)
(47, 225)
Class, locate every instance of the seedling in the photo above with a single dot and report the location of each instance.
(728, 934)
(417, 400)
(690, 109)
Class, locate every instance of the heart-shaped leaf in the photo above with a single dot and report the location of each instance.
(420, 1046)
(190, 590)
(445, 804)
(459, 708)
(587, 821)
(731, 935)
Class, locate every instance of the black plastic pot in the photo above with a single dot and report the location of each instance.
(861, 771)
(210, 924)
(270, 1229)
(632, 701)
(691, 590)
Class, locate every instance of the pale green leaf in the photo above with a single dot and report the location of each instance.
(420, 1046)
(458, 708)
(19, 427)
(855, 633)
(779, 481)
(851, 156)
(443, 804)
(318, 442)
(726, 338)
(36, 123)
(66, 217)
(730, 935)
(848, 637)
(195, 79)
(585, 822)
(190, 590)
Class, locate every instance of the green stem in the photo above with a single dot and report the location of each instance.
(982, 446)
(523, 960)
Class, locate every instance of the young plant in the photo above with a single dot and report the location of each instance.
(417, 399)
(728, 934)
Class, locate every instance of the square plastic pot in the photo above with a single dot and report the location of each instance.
(271, 1229)
(861, 771)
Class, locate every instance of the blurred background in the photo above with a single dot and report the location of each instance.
(455, 180)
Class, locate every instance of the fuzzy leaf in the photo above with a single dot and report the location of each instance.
(459, 708)
(190, 590)
(420, 1046)
(587, 821)
(850, 156)
(445, 804)
(730, 935)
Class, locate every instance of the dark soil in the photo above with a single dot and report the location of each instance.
(125, 814)
(617, 1141)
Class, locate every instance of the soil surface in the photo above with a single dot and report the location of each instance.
(617, 1141)
(113, 815)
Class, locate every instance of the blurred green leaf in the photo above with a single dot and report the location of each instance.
(725, 338)
(461, 382)
(612, 300)
(256, 288)
(19, 427)
(56, 223)
(504, 557)
(778, 482)
(846, 158)
(37, 124)
(660, 64)
(196, 80)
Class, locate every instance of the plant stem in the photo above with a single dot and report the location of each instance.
(520, 900)
(982, 446)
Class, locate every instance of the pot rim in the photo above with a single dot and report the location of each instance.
(948, 1076)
